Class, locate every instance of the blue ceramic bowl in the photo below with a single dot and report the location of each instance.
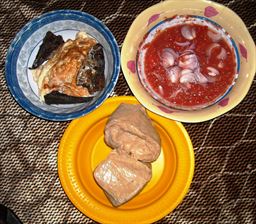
(24, 48)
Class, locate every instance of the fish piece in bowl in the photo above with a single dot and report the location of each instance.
(50, 44)
(91, 74)
(73, 72)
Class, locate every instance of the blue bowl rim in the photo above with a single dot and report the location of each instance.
(57, 15)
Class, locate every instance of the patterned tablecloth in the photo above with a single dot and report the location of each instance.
(224, 185)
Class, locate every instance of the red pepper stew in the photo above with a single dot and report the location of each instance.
(190, 94)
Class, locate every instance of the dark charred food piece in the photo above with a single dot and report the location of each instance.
(91, 74)
(50, 43)
(56, 97)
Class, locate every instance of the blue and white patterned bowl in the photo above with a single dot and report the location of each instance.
(25, 46)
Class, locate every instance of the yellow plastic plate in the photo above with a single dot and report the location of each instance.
(82, 147)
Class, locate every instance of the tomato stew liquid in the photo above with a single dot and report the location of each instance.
(189, 65)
